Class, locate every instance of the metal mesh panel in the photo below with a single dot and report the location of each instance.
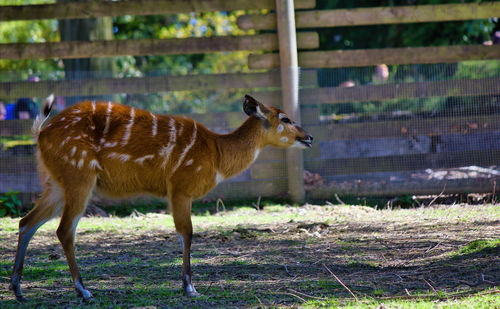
(412, 129)
(384, 130)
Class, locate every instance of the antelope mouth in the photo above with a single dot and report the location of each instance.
(307, 142)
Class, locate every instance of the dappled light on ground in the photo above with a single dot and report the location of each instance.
(277, 256)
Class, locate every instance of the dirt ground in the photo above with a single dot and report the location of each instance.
(279, 256)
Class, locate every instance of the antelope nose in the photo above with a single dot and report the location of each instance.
(309, 137)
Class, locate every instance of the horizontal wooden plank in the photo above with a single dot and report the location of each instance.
(93, 49)
(91, 9)
(402, 163)
(371, 57)
(359, 186)
(378, 16)
(406, 128)
(104, 86)
(367, 93)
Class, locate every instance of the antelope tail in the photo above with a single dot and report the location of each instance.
(42, 117)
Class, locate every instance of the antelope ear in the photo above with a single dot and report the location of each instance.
(252, 107)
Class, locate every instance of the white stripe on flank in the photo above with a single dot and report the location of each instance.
(181, 127)
(80, 163)
(76, 119)
(76, 111)
(109, 144)
(165, 151)
(108, 118)
(155, 125)
(65, 141)
(142, 159)
(188, 147)
(128, 128)
(77, 137)
(73, 150)
(121, 156)
(189, 162)
(94, 164)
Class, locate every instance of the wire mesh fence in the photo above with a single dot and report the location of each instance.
(384, 130)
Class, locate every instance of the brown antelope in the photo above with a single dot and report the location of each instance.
(118, 151)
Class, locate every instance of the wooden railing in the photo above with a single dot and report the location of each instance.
(336, 157)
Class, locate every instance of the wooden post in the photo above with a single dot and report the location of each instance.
(290, 92)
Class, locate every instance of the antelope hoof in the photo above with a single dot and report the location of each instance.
(85, 294)
(191, 292)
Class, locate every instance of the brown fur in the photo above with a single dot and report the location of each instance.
(120, 151)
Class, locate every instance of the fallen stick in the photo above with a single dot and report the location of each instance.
(341, 282)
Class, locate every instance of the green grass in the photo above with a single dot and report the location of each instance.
(479, 245)
(275, 257)
(483, 300)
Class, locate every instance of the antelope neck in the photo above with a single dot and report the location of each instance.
(237, 150)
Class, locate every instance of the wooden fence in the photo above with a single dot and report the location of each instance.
(351, 158)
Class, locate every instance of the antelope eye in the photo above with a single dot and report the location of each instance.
(285, 120)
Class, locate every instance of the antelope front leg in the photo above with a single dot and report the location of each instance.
(181, 211)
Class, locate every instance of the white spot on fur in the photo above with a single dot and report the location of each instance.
(73, 150)
(76, 111)
(121, 156)
(284, 139)
(62, 119)
(76, 119)
(80, 163)
(188, 147)
(92, 127)
(84, 153)
(280, 128)
(77, 137)
(65, 141)
(142, 159)
(281, 116)
(109, 144)
(181, 127)
(218, 178)
(189, 162)
(198, 168)
(128, 127)
(94, 164)
(73, 162)
(66, 126)
(154, 130)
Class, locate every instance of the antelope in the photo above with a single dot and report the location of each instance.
(118, 151)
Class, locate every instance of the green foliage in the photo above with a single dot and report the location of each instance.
(10, 205)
